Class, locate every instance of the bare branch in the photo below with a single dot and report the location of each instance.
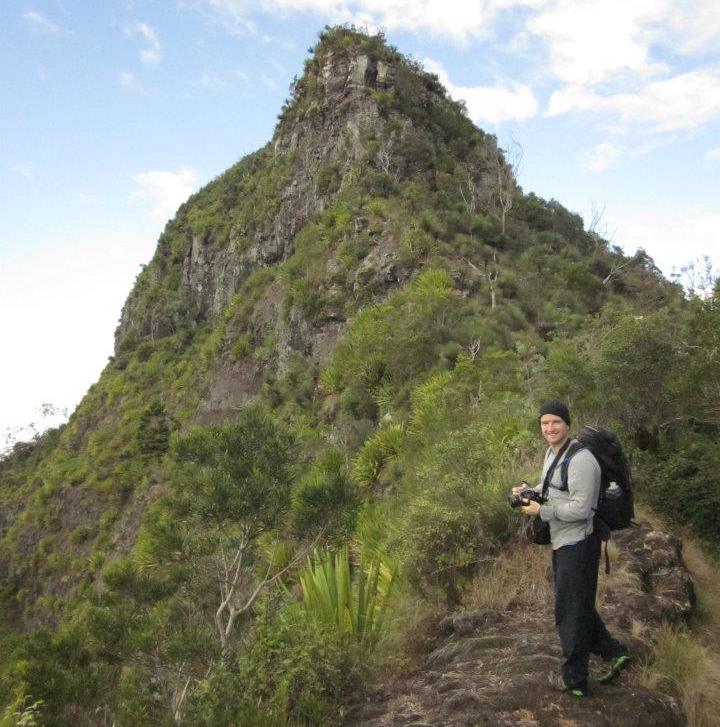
(615, 270)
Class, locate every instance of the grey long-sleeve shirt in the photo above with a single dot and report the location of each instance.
(570, 512)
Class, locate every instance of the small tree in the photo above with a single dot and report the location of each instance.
(233, 486)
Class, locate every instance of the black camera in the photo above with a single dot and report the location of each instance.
(524, 496)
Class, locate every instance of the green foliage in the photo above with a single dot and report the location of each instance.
(242, 346)
(327, 179)
(23, 712)
(57, 670)
(636, 358)
(330, 596)
(571, 378)
(441, 543)
(677, 485)
(393, 342)
(294, 671)
(326, 498)
(266, 348)
(375, 453)
(236, 472)
(153, 431)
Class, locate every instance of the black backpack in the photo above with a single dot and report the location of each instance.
(615, 509)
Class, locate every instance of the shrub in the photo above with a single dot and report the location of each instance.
(393, 342)
(677, 485)
(293, 670)
(241, 347)
(440, 543)
(326, 498)
(384, 444)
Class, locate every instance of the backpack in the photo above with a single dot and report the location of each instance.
(615, 509)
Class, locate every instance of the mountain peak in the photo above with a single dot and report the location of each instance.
(347, 64)
(362, 115)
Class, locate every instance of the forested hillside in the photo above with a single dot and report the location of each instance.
(324, 383)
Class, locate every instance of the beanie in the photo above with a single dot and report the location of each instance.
(558, 408)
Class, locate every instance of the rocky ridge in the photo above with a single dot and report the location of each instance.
(491, 668)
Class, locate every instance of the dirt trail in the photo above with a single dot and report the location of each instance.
(491, 668)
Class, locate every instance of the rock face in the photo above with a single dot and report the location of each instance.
(491, 668)
(326, 134)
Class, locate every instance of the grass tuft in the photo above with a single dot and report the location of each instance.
(689, 671)
(519, 577)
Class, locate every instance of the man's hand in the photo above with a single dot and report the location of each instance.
(532, 508)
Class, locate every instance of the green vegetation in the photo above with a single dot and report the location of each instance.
(330, 597)
(374, 338)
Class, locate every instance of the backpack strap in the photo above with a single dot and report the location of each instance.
(572, 450)
(551, 469)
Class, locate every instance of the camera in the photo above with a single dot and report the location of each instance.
(526, 494)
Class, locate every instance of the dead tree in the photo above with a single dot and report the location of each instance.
(598, 228)
(504, 166)
(237, 597)
(490, 272)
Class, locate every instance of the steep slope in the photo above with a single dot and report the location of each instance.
(377, 283)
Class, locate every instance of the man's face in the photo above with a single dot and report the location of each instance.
(553, 429)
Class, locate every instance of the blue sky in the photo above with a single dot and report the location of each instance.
(112, 113)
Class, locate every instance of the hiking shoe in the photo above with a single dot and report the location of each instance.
(616, 666)
(557, 683)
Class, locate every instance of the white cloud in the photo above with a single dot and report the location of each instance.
(673, 237)
(232, 15)
(42, 24)
(601, 157)
(508, 101)
(152, 53)
(713, 153)
(458, 20)
(685, 101)
(242, 75)
(269, 82)
(695, 25)
(210, 83)
(26, 169)
(590, 41)
(130, 83)
(163, 192)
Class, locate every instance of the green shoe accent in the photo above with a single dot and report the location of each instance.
(557, 684)
(616, 666)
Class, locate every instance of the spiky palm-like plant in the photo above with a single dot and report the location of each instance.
(331, 597)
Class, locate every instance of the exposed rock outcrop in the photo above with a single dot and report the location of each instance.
(327, 132)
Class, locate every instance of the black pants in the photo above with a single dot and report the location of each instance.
(579, 625)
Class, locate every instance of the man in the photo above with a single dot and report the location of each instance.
(576, 553)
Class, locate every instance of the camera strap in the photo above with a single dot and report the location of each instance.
(551, 469)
